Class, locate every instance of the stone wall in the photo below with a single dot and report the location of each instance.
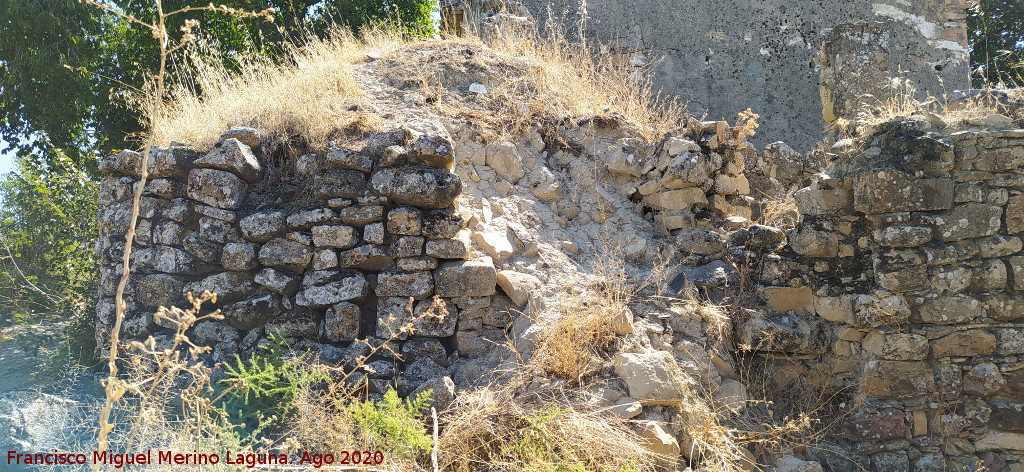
(331, 248)
(904, 278)
(764, 55)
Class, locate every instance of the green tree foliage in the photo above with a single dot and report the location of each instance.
(47, 233)
(68, 70)
(996, 30)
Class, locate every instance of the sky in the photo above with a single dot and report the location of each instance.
(6, 159)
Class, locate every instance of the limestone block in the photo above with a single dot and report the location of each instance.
(341, 323)
(405, 221)
(406, 246)
(518, 286)
(903, 236)
(418, 186)
(254, 312)
(245, 134)
(651, 376)
(285, 254)
(887, 191)
(418, 285)
(974, 342)
(496, 242)
(335, 236)
(339, 184)
(442, 224)
(341, 158)
(277, 281)
(872, 311)
(901, 270)
(239, 256)
(352, 287)
(233, 156)
(264, 226)
(434, 150)
(783, 299)
(229, 286)
(472, 278)
(967, 221)
(884, 425)
(216, 188)
(435, 318)
(948, 310)
(680, 199)
(367, 256)
(897, 379)
(731, 185)
(896, 346)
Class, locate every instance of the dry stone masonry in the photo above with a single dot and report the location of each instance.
(904, 278)
(367, 241)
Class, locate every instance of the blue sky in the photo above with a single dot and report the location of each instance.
(6, 159)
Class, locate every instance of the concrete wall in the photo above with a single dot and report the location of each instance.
(724, 57)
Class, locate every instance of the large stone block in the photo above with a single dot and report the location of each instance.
(216, 188)
(435, 318)
(418, 285)
(160, 290)
(368, 257)
(341, 323)
(887, 424)
(1000, 159)
(874, 312)
(967, 221)
(473, 278)
(335, 236)
(418, 186)
(339, 184)
(254, 312)
(229, 286)
(897, 379)
(680, 199)
(352, 287)
(901, 270)
(286, 254)
(652, 376)
(233, 156)
(1015, 215)
(787, 333)
(947, 310)
(974, 342)
(264, 226)
(896, 346)
(888, 191)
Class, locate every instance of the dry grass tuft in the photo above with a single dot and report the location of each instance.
(499, 428)
(780, 212)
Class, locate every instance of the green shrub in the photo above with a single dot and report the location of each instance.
(393, 425)
(259, 392)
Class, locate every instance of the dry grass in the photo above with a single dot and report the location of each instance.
(899, 100)
(780, 212)
(313, 93)
(503, 428)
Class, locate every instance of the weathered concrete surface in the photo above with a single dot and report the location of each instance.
(763, 54)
